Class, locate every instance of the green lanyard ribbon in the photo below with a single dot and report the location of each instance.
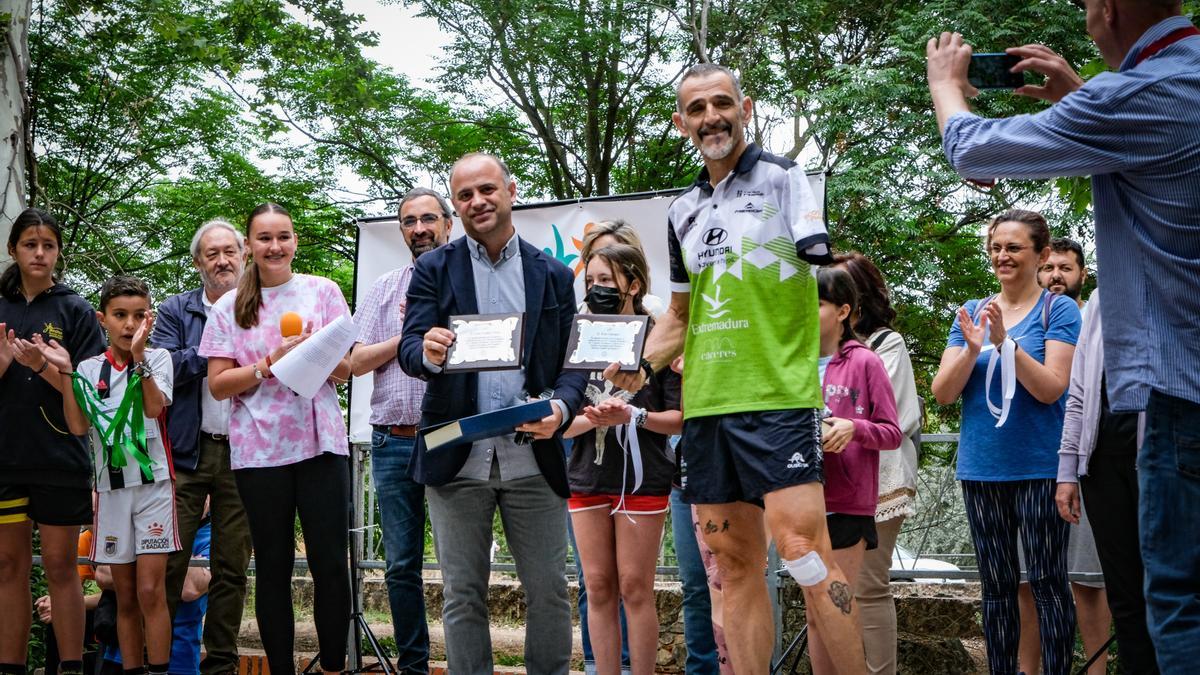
(122, 433)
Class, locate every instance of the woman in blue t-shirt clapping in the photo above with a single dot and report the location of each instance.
(1009, 358)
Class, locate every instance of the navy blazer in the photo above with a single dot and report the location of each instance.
(178, 327)
(443, 284)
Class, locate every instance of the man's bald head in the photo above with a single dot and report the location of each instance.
(472, 156)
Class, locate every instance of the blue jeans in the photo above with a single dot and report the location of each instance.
(1169, 483)
(402, 519)
(697, 606)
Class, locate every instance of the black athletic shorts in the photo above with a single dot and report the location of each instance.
(846, 530)
(742, 456)
(45, 505)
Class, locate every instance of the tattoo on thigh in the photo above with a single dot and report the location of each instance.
(725, 526)
(839, 593)
(710, 527)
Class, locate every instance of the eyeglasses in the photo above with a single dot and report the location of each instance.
(1011, 249)
(427, 220)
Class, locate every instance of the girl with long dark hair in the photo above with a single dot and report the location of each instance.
(897, 470)
(45, 471)
(859, 422)
(620, 474)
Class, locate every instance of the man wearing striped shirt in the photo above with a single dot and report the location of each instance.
(395, 412)
(1136, 131)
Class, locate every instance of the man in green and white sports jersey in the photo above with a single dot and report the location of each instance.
(744, 314)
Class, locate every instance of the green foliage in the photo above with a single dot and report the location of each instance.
(150, 117)
(590, 78)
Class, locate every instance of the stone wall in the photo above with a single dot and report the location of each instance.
(933, 620)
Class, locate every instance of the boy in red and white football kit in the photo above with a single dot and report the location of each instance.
(121, 397)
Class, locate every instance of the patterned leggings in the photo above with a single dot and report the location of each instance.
(995, 512)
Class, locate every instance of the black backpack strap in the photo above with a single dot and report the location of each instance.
(103, 384)
(883, 335)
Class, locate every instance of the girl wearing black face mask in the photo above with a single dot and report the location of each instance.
(620, 474)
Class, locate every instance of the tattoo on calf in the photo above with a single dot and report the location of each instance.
(710, 527)
(839, 593)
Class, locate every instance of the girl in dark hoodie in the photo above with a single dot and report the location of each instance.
(45, 472)
(859, 421)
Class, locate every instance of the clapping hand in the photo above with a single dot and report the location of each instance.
(973, 332)
(137, 346)
(994, 317)
(54, 353)
(1061, 78)
(25, 352)
(6, 339)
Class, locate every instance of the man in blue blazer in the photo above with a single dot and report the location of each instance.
(492, 271)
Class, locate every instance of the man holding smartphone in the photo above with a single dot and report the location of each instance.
(1136, 131)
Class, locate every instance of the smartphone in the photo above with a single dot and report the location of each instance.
(994, 71)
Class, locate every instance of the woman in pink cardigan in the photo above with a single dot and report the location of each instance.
(860, 420)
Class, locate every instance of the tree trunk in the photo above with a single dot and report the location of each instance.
(14, 67)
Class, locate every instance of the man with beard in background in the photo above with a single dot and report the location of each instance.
(198, 427)
(395, 412)
(1065, 271)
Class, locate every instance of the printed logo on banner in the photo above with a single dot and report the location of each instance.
(560, 251)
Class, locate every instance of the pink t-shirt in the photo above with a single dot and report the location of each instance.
(269, 425)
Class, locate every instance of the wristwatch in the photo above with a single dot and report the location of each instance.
(258, 374)
(143, 369)
(640, 420)
(647, 368)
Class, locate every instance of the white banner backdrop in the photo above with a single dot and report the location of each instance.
(557, 228)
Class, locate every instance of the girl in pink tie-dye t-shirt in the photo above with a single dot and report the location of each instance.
(288, 452)
(269, 425)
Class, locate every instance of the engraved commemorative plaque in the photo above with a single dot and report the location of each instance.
(485, 342)
(599, 340)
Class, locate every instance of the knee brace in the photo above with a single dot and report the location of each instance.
(808, 570)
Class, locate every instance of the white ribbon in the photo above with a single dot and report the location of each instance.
(627, 439)
(1006, 354)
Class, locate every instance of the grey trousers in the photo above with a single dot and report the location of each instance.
(535, 525)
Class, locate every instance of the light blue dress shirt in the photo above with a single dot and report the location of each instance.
(1137, 133)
